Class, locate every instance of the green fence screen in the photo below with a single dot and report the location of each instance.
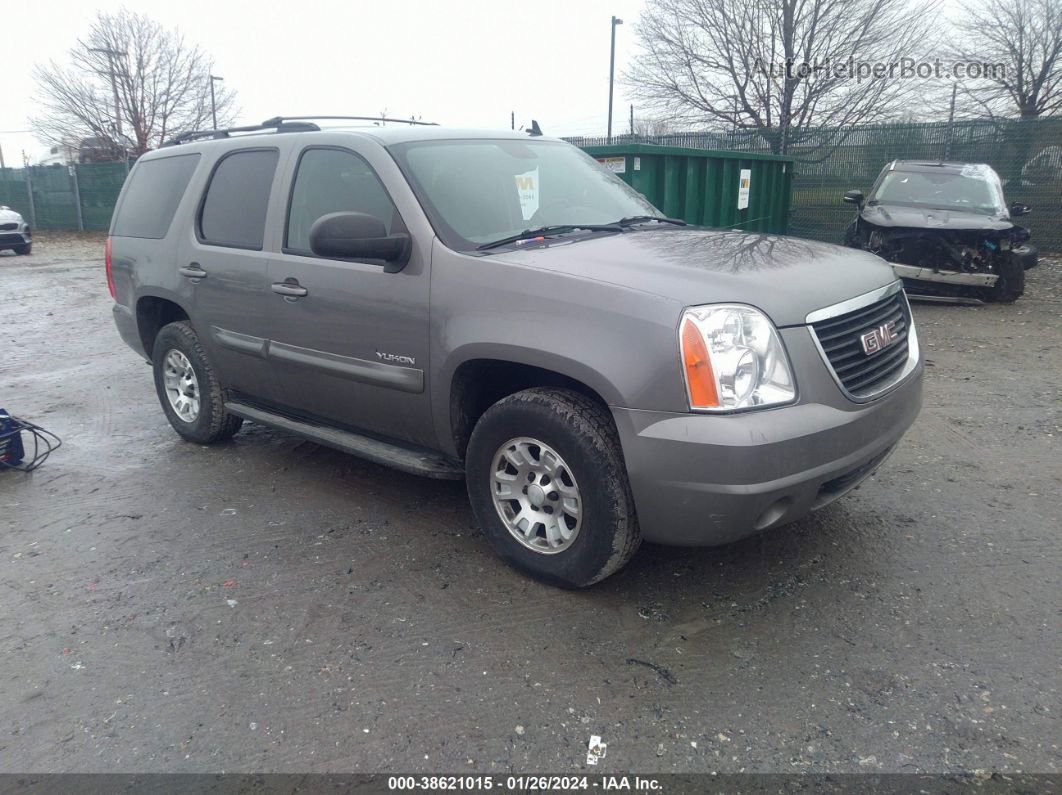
(64, 197)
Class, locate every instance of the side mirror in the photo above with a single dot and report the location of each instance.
(1017, 208)
(854, 197)
(359, 236)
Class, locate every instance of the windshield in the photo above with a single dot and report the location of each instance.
(974, 189)
(480, 191)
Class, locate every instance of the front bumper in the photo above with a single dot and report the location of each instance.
(703, 480)
(8, 239)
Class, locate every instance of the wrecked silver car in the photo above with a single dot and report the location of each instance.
(946, 230)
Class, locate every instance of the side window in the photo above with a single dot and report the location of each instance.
(150, 199)
(234, 208)
(332, 181)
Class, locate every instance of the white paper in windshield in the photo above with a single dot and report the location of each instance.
(527, 188)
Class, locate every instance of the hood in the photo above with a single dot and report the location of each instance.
(786, 277)
(931, 218)
(7, 215)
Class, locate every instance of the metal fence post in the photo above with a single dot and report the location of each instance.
(77, 198)
(29, 194)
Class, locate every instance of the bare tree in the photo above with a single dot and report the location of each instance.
(652, 127)
(131, 84)
(778, 65)
(1019, 42)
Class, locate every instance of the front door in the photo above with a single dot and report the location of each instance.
(349, 340)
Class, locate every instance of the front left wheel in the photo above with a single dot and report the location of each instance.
(1010, 285)
(548, 486)
(190, 393)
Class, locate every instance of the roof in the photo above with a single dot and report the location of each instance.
(942, 167)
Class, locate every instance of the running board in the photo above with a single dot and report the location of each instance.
(414, 460)
(944, 277)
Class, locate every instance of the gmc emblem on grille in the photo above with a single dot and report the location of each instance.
(879, 338)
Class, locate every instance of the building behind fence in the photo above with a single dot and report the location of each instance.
(1026, 153)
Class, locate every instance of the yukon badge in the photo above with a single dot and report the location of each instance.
(879, 338)
(394, 358)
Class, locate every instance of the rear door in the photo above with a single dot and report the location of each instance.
(225, 262)
(352, 347)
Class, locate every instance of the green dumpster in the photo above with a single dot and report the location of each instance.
(740, 190)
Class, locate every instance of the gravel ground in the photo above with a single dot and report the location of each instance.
(271, 605)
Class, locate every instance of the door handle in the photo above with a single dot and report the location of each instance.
(193, 271)
(290, 289)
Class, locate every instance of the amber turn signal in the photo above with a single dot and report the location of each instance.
(700, 380)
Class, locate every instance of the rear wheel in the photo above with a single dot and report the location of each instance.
(190, 393)
(548, 485)
(1010, 285)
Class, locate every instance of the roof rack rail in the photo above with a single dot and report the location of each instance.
(277, 125)
(285, 124)
(411, 122)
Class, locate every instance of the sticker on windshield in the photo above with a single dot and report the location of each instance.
(617, 165)
(527, 189)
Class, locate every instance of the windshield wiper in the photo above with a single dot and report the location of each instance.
(631, 220)
(557, 229)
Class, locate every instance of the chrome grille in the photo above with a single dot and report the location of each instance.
(840, 339)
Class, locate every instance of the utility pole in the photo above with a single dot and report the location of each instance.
(213, 102)
(611, 73)
(951, 120)
(632, 120)
(114, 85)
(512, 120)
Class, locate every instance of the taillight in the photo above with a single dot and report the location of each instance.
(109, 268)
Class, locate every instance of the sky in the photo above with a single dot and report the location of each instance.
(463, 64)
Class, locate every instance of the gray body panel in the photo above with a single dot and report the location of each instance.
(894, 215)
(378, 352)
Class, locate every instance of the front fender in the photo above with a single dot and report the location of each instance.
(619, 342)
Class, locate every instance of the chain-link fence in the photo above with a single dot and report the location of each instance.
(64, 197)
(1026, 153)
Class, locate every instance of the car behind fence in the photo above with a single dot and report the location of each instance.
(1026, 153)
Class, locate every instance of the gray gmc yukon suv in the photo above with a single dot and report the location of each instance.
(500, 308)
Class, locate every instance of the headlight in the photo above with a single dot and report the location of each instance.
(733, 359)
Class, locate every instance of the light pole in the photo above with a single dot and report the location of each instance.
(213, 102)
(611, 73)
(114, 84)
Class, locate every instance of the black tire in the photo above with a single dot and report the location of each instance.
(1028, 254)
(23, 250)
(582, 432)
(1010, 285)
(212, 423)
